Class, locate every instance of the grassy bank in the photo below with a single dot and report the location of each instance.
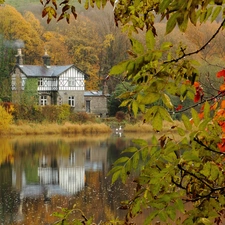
(26, 128)
(53, 129)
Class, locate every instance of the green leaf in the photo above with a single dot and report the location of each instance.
(206, 109)
(164, 114)
(203, 124)
(191, 156)
(125, 102)
(166, 101)
(115, 169)
(144, 153)
(135, 108)
(150, 217)
(171, 22)
(164, 5)
(166, 45)
(150, 98)
(157, 122)
(163, 215)
(183, 25)
(137, 46)
(130, 150)
(59, 215)
(98, 3)
(150, 40)
(136, 206)
(193, 17)
(186, 122)
(86, 4)
(181, 131)
(135, 160)
(121, 160)
(215, 13)
(123, 175)
(115, 176)
(119, 68)
(171, 213)
(180, 205)
(195, 116)
(140, 142)
(142, 107)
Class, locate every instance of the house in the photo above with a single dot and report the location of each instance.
(57, 85)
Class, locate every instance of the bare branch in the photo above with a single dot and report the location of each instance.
(200, 49)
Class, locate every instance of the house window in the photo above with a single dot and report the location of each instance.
(71, 81)
(13, 83)
(23, 83)
(71, 101)
(88, 106)
(40, 82)
(43, 100)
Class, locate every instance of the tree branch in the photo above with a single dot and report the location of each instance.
(207, 148)
(200, 49)
(220, 94)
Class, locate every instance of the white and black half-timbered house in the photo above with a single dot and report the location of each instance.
(57, 85)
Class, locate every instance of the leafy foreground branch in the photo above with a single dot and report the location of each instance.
(186, 176)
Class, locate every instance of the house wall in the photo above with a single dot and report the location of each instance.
(63, 97)
(72, 79)
(17, 85)
(98, 104)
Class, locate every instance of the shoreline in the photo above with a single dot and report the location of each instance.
(68, 128)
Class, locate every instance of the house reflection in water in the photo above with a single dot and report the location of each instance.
(64, 176)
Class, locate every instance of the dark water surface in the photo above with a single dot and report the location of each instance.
(40, 174)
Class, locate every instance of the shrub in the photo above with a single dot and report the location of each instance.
(5, 119)
(64, 112)
(120, 116)
(81, 117)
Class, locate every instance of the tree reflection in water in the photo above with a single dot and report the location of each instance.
(40, 174)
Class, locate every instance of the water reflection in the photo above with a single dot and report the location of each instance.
(39, 174)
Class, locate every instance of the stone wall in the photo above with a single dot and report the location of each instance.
(79, 99)
(98, 105)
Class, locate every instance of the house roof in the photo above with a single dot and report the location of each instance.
(43, 71)
(92, 93)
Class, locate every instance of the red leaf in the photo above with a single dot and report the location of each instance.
(197, 96)
(221, 145)
(221, 73)
(179, 107)
(196, 84)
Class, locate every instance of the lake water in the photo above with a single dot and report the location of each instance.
(42, 173)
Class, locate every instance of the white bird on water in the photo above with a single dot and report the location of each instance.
(119, 129)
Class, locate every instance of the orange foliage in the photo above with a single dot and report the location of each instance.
(221, 145)
(199, 92)
(221, 74)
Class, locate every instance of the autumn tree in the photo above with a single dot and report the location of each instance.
(14, 27)
(113, 45)
(54, 44)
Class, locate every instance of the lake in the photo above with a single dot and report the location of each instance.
(39, 174)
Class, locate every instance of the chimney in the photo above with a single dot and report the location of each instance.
(105, 90)
(19, 57)
(46, 59)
